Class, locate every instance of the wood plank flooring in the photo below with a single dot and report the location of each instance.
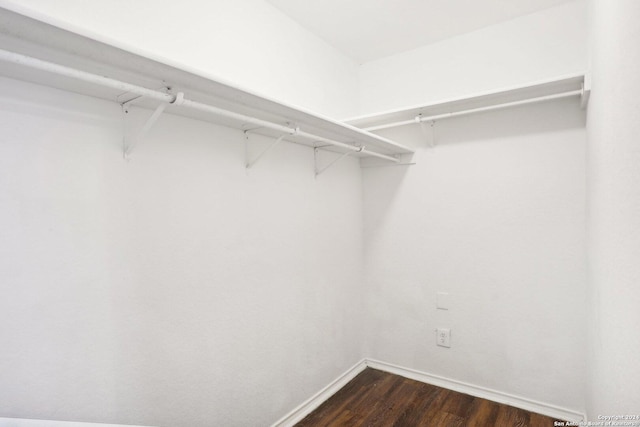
(376, 398)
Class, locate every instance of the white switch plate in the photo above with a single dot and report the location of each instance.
(443, 337)
(442, 301)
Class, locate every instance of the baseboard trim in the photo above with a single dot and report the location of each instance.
(478, 391)
(309, 405)
(24, 422)
(531, 405)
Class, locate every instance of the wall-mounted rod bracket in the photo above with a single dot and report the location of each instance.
(316, 159)
(129, 141)
(430, 133)
(249, 163)
(586, 92)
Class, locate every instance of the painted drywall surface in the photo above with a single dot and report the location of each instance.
(614, 209)
(494, 215)
(248, 43)
(539, 46)
(176, 289)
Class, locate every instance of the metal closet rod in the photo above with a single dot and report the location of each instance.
(62, 70)
(419, 118)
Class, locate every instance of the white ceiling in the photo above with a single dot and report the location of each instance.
(372, 29)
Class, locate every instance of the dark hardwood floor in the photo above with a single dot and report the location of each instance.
(376, 398)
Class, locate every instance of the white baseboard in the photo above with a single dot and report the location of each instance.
(23, 422)
(320, 397)
(482, 392)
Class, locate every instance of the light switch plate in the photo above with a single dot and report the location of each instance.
(442, 300)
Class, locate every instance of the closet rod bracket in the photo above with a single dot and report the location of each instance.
(429, 134)
(129, 141)
(249, 163)
(316, 159)
(585, 93)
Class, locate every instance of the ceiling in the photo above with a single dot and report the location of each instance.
(370, 29)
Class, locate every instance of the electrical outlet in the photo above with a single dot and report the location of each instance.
(443, 337)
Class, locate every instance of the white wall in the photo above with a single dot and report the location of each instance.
(175, 289)
(494, 215)
(614, 209)
(539, 46)
(249, 43)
